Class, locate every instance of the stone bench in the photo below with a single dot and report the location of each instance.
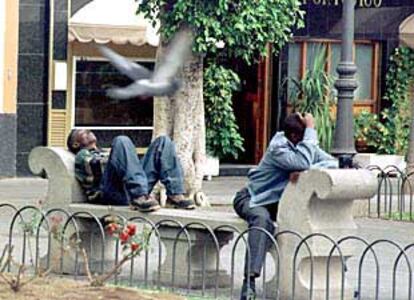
(320, 202)
(65, 192)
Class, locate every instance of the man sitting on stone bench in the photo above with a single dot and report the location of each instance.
(120, 178)
(290, 152)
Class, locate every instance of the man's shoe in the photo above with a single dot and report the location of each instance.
(248, 293)
(178, 201)
(145, 203)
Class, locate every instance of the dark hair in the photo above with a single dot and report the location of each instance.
(293, 124)
(72, 143)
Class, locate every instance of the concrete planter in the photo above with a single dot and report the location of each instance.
(211, 167)
(380, 160)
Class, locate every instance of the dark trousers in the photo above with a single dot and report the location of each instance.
(126, 177)
(258, 242)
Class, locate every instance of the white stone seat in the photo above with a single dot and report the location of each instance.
(320, 202)
(64, 191)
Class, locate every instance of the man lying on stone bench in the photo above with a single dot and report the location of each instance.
(290, 152)
(120, 178)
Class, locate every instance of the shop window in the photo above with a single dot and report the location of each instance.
(363, 60)
(93, 109)
(302, 56)
(293, 66)
(335, 58)
(313, 48)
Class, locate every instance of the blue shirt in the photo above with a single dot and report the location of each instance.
(268, 181)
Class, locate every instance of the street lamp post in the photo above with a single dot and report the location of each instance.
(344, 144)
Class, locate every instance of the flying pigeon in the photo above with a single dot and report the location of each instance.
(163, 81)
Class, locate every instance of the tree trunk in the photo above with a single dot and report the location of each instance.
(181, 117)
(410, 154)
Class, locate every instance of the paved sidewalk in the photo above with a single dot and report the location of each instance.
(25, 191)
(28, 191)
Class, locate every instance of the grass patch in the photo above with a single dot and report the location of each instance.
(397, 216)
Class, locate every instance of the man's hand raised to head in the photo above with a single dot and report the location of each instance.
(309, 121)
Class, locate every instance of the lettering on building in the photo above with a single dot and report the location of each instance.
(359, 3)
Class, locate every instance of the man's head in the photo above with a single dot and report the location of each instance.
(79, 139)
(294, 128)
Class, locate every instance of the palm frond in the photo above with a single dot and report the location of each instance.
(313, 94)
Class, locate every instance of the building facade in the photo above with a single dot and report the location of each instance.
(62, 77)
(9, 10)
(377, 34)
(52, 77)
(378, 26)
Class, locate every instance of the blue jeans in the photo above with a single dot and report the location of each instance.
(259, 242)
(126, 177)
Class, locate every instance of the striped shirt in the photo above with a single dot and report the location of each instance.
(89, 168)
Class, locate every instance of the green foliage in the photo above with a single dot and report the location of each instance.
(314, 94)
(398, 117)
(369, 130)
(245, 26)
(391, 136)
(222, 134)
(400, 216)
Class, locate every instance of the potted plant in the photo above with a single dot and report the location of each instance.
(367, 132)
(314, 94)
(371, 138)
(222, 136)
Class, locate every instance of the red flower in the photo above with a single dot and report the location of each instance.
(124, 236)
(132, 229)
(112, 228)
(134, 246)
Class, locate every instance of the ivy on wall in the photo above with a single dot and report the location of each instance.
(389, 134)
(397, 118)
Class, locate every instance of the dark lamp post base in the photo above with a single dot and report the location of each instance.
(345, 160)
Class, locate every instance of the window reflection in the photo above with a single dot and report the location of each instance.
(364, 57)
(94, 109)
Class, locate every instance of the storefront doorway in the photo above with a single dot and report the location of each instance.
(252, 107)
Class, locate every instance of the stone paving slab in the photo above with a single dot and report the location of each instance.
(219, 190)
(27, 191)
(21, 189)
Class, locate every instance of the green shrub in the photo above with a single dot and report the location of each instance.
(390, 135)
(222, 132)
(369, 130)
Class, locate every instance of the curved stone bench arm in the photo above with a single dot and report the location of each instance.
(59, 166)
(347, 184)
(320, 202)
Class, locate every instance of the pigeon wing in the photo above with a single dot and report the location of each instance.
(174, 57)
(123, 93)
(125, 66)
(145, 88)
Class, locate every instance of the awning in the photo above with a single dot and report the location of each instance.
(109, 21)
(407, 32)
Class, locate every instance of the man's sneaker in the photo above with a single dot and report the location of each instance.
(94, 197)
(178, 201)
(144, 203)
(248, 293)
